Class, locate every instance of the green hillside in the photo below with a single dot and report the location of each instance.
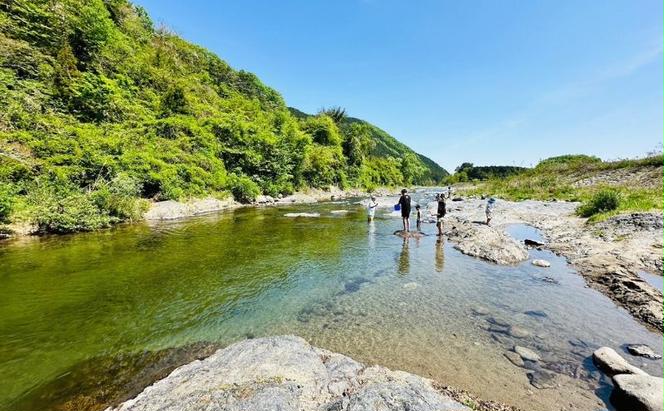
(101, 111)
(384, 145)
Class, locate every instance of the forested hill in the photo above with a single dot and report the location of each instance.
(385, 145)
(100, 110)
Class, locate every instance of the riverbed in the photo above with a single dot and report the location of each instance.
(70, 306)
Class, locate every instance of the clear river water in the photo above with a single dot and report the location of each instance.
(91, 318)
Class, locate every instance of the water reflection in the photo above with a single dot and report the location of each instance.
(440, 255)
(404, 258)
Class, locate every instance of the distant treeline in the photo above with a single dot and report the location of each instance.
(470, 172)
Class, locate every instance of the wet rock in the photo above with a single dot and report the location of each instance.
(498, 321)
(550, 280)
(409, 234)
(498, 329)
(457, 199)
(479, 310)
(536, 313)
(514, 358)
(304, 215)
(542, 379)
(518, 332)
(541, 263)
(354, 284)
(410, 286)
(532, 243)
(172, 210)
(612, 363)
(288, 374)
(638, 392)
(642, 350)
(526, 353)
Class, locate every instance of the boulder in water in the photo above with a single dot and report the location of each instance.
(638, 392)
(612, 363)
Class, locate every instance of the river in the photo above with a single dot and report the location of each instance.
(136, 300)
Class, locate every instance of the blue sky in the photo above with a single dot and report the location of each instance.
(490, 82)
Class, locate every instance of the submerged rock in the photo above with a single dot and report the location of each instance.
(308, 215)
(532, 243)
(514, 358)
(518, 332)
(288, 374)
(479, 310)
(638, 392)
(612, 363)
(642, 350)
(536, 313)
(410, 286)
(541, 263)
(542, 379)
(526, 353)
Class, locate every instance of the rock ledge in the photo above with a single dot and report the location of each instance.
(286, 373)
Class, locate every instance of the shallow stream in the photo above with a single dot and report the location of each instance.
(135, 301)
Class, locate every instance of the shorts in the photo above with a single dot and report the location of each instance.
(440, 218)
(405, 212)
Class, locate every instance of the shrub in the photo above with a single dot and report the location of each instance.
(118, 198)
(601, 202)
(6, 202)
(59, 207)
(244, 189)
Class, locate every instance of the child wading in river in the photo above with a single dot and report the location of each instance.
(419, 218)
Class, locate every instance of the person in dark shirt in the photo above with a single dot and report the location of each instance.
(419, 217)
(442, 210)
(404, 202)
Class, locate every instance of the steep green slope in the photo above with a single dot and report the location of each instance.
(100, 111)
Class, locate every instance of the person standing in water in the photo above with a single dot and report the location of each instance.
(404, 202)
(490, 204)
(371, 208)
(440, 213)
(419, 217)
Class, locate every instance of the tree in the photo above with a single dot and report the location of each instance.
(336, 113)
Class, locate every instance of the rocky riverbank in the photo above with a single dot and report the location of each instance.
(286, 373)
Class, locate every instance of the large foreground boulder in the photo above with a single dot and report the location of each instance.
(286, 373)
(638, 392)
(612, 363)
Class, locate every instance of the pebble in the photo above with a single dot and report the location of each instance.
(514, 358)
(518, 332)
(410, 286)
(643, 350)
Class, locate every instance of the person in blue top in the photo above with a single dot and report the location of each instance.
(404, 202)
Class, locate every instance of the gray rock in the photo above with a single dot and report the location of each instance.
(612, 363)
(287, 374)
(479, 310)
(518, 332)
(526, 353)
(514, 358)
(643, 350)
(264, 199)
(638, 392)
(541, 263)
(542, 379)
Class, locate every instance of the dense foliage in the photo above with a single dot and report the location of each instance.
(601, 202)
(99, 109)
(469, 172)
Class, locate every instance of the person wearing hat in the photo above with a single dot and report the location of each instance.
(404, 202)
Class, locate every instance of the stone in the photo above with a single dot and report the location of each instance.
(518, 332)
(286, 373)
(532, 243)
(498, 321)
(642, 350)
(514, 358)
(608, 360)
(340, 211)
(410, 286)
(308, 215)
(541, 263)
(479, 310)
(638, 392)
(536, 313)
(542, 379)
(526, 353)
(264, 199)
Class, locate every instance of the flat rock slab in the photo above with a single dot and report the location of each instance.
(287, 374)
(638, 392)
(305, 215)
(612, 363)
(541, 263)
(526, 353)
(643, 350)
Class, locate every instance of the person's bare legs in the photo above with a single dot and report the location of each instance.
(439, 224)
(408, 224)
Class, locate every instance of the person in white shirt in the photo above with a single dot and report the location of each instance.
(371, 208)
